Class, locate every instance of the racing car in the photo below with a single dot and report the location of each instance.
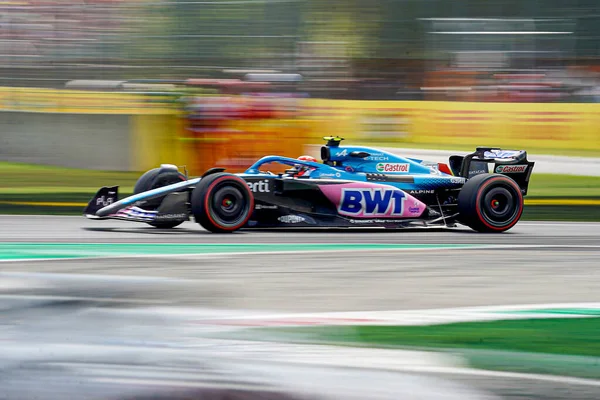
(350, 186)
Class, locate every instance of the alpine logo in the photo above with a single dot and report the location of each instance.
(511, 169)
(259, 186)
(291, 219)
(421, 191)
(342, 153)
(393, 167)
(377, 202)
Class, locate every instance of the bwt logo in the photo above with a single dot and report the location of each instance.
(259, 186)
(371, 202)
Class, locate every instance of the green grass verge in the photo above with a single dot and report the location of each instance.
(549, 185)
(561, 346)
(561, 213)
(16, 178)
(565, 336)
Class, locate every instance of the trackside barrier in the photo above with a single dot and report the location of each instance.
(90, 129)
(547, 127)
(83, 101)
(161, 130)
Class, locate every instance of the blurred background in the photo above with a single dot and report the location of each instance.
(124, 85)
(95, 92)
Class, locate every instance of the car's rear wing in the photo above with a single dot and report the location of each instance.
(512, 163)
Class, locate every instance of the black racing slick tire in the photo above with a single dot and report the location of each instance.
(153, 179)
(490, 203)
(222, 203)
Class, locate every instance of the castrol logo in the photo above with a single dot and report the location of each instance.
(393, 167)
(511, 169)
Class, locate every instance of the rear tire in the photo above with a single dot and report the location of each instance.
(222, 203)
(490, 203)
(153, 179)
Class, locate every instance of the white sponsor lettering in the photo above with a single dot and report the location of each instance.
(265, 207)
(421, 191)
(373, 221)
(329, 175)
(511, 169)
(477, 172)
(259, 186)
(291, 219)
(393, 167)
(172, 216)
(104, 201)
(457, 180)
(378, 158)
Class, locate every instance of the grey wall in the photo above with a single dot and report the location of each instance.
(70, 140)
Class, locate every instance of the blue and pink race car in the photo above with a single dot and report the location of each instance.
(351, 186)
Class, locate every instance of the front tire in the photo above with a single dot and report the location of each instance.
(222, 203)
(490, 203)
(153, 179)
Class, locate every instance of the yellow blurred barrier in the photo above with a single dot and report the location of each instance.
(154, 140)
(160, 131)
(551, 127)
(83, 101)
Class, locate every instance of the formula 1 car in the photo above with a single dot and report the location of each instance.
(352, 186)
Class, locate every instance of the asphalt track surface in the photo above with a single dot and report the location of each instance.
(79, 229)
(558, 264)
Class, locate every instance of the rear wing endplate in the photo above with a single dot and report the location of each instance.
(513, 163)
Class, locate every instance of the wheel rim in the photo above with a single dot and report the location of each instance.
(500, 205)
(228, 206)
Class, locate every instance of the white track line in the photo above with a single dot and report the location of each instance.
(511, 375)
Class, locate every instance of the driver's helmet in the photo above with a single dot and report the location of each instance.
(304, 170)
(307, 158)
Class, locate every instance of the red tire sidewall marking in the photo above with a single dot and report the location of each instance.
(207, 208)
(478, 207)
